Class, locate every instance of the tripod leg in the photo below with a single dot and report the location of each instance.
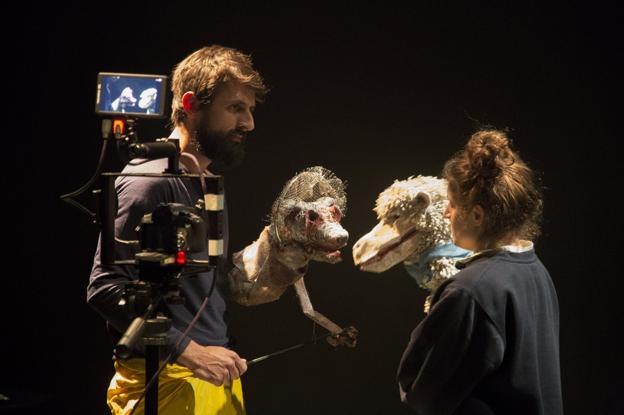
(152, 361)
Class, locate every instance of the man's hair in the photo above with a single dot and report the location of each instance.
(205, 69)
(488, 173)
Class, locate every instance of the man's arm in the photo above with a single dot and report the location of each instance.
(107, 282)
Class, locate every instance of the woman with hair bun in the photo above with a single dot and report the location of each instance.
(490, 343)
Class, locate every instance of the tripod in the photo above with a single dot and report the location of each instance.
(154, 338)
(151, 330)
(155, 284)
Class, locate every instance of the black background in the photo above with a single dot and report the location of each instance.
(374, 93)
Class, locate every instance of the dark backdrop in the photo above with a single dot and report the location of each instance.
(373, 93)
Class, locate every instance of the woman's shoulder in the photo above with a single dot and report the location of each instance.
(492, 271)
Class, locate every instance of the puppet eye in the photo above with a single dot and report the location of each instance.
(393, 217)
(292, 215)
(312, 216)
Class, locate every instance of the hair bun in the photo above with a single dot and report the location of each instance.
(488, 173)
(489, 153)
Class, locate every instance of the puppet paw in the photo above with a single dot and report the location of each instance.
(347, 337)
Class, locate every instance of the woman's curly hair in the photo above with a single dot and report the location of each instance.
(489, 173)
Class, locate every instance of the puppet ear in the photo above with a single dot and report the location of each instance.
(422, 199)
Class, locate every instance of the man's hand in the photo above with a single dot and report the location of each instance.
(213, 364)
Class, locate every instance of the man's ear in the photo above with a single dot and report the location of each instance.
(190, 102)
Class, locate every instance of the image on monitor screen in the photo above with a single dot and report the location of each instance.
(131, 94)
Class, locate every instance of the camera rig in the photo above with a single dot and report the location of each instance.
(167, 236)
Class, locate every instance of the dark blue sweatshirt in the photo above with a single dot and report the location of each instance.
(138, 196)
(490, 344)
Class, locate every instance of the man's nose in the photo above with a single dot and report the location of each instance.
(246, 122)
(447, 213)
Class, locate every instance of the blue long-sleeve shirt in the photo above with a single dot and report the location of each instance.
(138, 196)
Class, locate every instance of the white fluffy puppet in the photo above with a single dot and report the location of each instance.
(411, 229)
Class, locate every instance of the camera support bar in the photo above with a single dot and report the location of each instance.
(169, 148)
(213, 205)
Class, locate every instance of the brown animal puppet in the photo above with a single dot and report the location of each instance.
(305, 225)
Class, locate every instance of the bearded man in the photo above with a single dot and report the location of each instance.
(215, 90)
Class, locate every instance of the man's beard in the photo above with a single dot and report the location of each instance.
(219, 147)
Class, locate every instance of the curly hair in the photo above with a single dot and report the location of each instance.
(205, 69)
(488, 173)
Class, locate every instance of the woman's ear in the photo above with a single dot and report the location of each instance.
(477, 216)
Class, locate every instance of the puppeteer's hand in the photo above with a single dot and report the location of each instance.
(214, 364)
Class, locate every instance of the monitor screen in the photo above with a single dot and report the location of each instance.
(135, 95)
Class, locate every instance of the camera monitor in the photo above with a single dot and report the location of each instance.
(135, 95)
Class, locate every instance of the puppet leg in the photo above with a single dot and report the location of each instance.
(308, 310)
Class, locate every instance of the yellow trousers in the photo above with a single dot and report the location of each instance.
(179, 392)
